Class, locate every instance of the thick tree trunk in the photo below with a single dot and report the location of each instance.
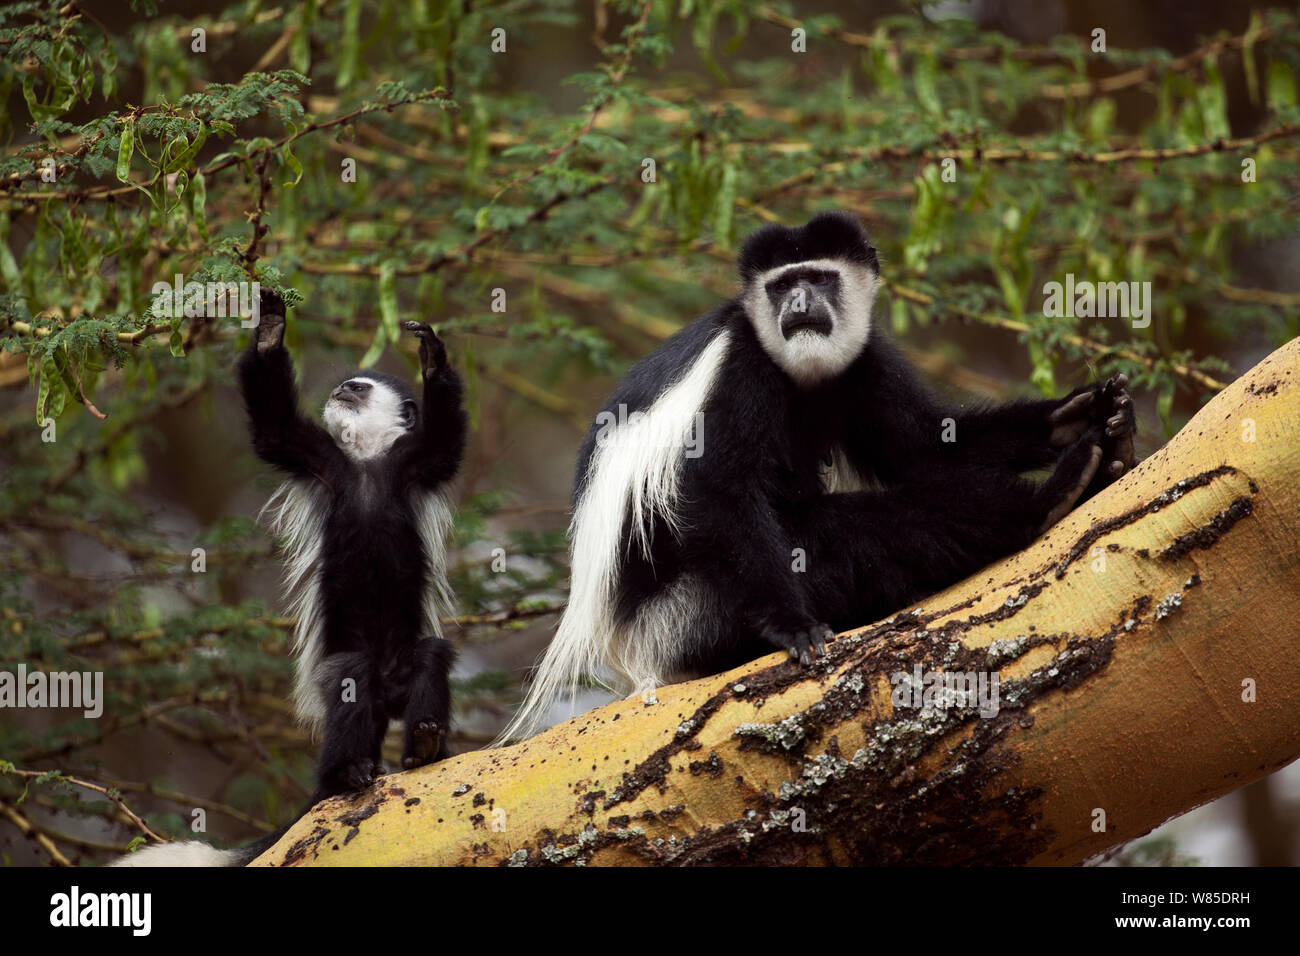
(1148, 653)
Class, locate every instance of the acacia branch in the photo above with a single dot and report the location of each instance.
(1041, 55)
(1195, 376)
(108, 792)
(32, 831)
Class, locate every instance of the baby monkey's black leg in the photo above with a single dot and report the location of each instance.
(354, 726)
(428, 705)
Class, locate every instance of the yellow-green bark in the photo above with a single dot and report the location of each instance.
(1121, 691)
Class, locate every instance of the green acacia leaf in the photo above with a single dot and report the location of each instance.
(49, 382)
(898, 315)
(188, 150)
(388, 312)
(126, 150)
(198, 204)
(1281, 85)
(1248, 55)
(300, 45)
(925, 79)
(1165, 407)
(68, 381)
(8, 265)
(376, 348)
(726, 205)
(350, 46)
(108, 70)
(294, 164)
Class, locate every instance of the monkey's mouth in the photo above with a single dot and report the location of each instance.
(805, 322)
(347, 399)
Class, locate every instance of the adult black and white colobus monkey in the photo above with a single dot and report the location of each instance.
(362, 513)
(784, 420)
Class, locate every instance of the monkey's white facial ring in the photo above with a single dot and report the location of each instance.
(811, 325)
(364, 417)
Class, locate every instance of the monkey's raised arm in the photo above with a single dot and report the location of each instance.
(431, 454)
(282, 435)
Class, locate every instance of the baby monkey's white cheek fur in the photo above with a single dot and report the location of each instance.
(807, 357)
(369, 430)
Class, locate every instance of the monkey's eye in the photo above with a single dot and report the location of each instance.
(820, 278)
(782, 285)
(359, 387)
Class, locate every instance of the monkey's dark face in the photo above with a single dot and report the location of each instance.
(805, 300)
(354, 393)
(367, 412)
(812, 318)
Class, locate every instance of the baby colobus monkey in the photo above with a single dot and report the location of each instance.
(776, 472)
(363, 514)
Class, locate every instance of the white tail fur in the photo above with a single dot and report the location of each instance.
(634, 469)
(297, 511)
(191, 853)
(433, 520)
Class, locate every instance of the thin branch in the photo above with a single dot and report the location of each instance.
(1041, 55)
(1201, 379)
(107, 792)
(31, 830)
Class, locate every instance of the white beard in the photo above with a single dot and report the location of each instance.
(365, 432)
